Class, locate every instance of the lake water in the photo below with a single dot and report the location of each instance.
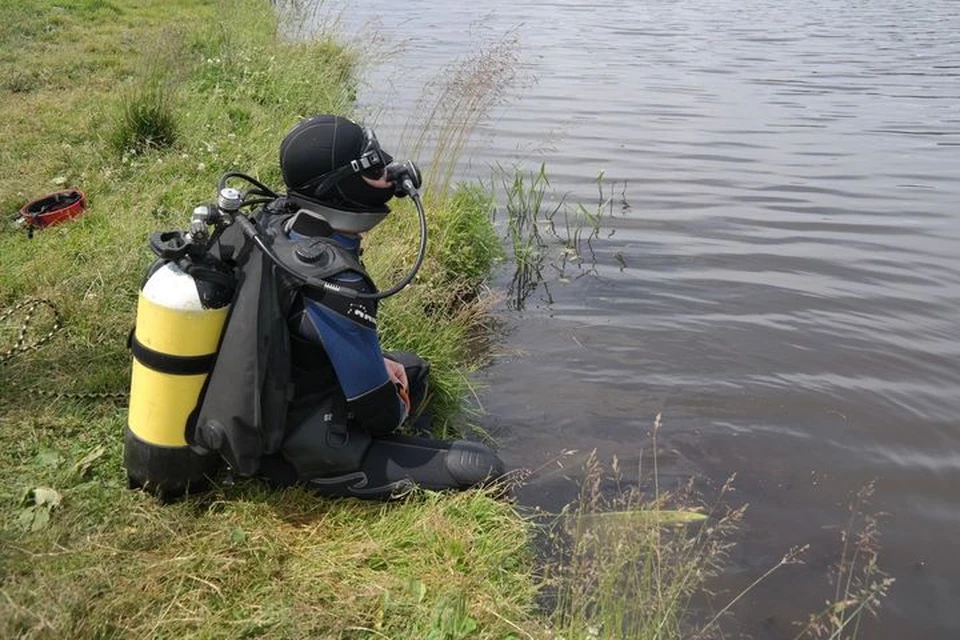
(783, 277)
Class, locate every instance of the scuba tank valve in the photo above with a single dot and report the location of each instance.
(229, 200)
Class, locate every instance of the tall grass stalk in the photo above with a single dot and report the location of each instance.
(860, 585)
(625, 563)
(454, 104)
(147, 118)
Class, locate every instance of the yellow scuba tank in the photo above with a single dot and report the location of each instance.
(182, 308)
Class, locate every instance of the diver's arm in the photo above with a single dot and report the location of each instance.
(350, 340)
(379, 411)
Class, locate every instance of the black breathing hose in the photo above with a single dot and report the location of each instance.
(266, 191)
(421, 252)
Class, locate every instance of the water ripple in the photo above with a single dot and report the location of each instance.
(786, 270)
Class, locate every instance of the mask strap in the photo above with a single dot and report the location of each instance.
(370, 158)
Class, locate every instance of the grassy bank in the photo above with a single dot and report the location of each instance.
(142, 104)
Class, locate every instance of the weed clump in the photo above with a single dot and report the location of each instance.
(550, 239)
(146, 113)
(146, 118)
(628, 562)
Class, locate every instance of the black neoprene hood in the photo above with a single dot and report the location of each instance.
(320, 144)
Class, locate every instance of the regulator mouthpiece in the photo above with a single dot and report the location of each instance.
(406, 176)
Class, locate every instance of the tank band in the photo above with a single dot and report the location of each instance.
(166, 363)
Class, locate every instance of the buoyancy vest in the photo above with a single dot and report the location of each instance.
(244, 410)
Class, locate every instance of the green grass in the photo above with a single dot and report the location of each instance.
(246, 562)
(146, 118)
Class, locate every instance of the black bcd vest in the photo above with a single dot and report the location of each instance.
(243, 411)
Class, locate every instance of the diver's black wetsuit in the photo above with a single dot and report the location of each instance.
(343, 397)
(333, 429)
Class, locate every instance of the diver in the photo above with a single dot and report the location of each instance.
(301, 392)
